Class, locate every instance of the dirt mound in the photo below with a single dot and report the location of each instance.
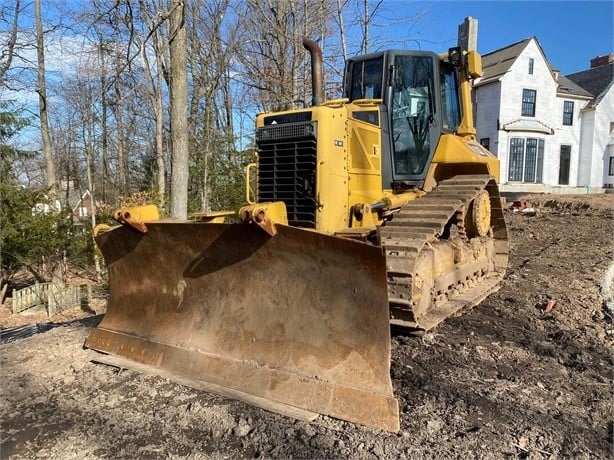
(596, 203)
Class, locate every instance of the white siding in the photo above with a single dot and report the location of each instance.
(567, 135)
(608, 180)
(487, 117)
(502, 100)
(603, 148)
(512, 85)
(586, 147)
(518, 78)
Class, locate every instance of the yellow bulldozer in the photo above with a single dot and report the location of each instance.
(373, 210)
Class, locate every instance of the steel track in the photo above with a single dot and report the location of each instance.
(432, 221)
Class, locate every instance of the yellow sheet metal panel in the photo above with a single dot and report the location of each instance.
(467, 153)
(365, 167)
(332, 168)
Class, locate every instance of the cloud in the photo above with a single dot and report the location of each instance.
(63, 53)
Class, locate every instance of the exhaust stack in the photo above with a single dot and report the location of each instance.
(316, 71)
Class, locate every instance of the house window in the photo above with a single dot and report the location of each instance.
(516, 159)
(485, 141)
(531, 62)
(611, 169)
(528, 102)
(564, 164)
(526, 160)
(568, 113)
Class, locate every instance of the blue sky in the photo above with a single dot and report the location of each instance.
(571, 33)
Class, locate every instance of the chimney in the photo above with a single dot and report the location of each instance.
(600, 61)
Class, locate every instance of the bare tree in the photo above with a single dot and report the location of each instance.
(43, 107)
(154, 74)
(118, 107)
(367, 18)
(179, 106)
(342, 31)
(8, 48)
(213, 42)
(273, 57)
(104, 119)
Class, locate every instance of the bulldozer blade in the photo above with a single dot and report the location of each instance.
(299, 319)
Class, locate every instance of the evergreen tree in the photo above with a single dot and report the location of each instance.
(31, 236)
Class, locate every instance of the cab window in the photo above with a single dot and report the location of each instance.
(412, 113)
(366, 79)
(451, 114)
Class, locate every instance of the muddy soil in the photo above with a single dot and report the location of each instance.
(505, 380)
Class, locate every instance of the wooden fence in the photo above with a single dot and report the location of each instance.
(55, 298)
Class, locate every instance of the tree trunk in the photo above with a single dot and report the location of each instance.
(367, 20)
(160, 157)
(119, 124)
(90, 186)
(154, 93)
(341, 23)
(57, 266)
(104, 123)
(7, 53)
(179, 105)
(42, 106)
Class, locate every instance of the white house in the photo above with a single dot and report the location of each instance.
(536, 122)
(80, 202)
(597, 136)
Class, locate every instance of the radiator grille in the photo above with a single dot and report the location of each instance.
(287, 156)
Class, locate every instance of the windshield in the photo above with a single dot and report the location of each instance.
(412, 113)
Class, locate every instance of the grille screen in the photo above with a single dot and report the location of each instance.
(287, 169)
(287, 118)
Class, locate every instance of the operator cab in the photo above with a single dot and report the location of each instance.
(420, 101)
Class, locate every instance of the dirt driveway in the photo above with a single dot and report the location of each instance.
(505, 380)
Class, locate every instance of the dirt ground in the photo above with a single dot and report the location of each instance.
(505, 380)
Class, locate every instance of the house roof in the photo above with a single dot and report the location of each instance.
(596, 81)
(497, 63)
(72, 197)
(568, 88)
(78, 201)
